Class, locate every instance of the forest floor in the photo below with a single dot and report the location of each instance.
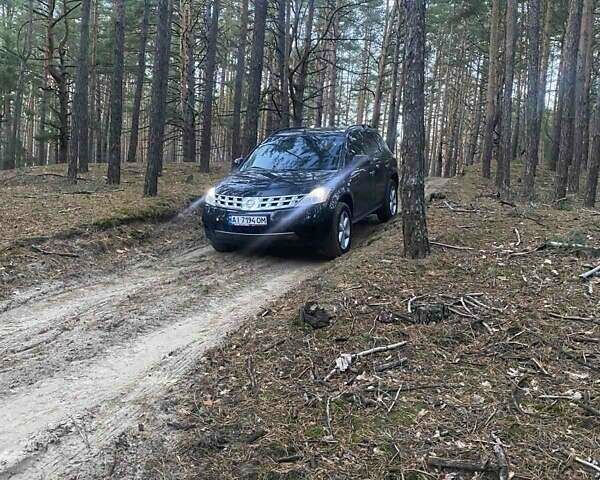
(517, 362)
(44, 219)
(126, 346)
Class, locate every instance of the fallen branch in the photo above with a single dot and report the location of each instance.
(388, 366)
(588, 465)
(344, 361)
(59, 176)
(518, 237)
(449, 463)
(50, 252)
(572, 246)
(594, 272)
(453, 247)
(459, 210)
(570, 317)
(527, 252)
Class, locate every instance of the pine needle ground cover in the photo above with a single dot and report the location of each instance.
(510, 373)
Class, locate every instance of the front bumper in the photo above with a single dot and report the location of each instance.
(308, 224)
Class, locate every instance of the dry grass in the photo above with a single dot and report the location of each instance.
(258, 406)
(38, 202)
(98, 226)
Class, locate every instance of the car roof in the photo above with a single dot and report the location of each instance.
(321, 130)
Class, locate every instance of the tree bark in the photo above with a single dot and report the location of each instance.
(381, 70)
(207, 107)
(392, 126)
(80, 121)
(593, 161)
(188, 82)
(492, 92)
(552, 160)
(582, 84)
(240, 74)
(416, 243)
(158, 102)
(568, 112)
(255, 79)
(113, 176)
(14, 142)
(299, 86)
(533, 93)
(139, 86)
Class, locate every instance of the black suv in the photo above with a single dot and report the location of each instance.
(311, 184)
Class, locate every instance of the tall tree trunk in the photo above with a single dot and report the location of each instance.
(503, 171)
(552, 160)
(158, 101)
(416, 243)
(545, 59)
(476, 126)
(211, 57)
(139, 86)
(533, 93)
(188, 83)
(492, 91)
(14, 142)
(298, 99)
(333, 77)
(240, 73)
(41, 135)
(383, 61)
(113, 176)
(80, 123)
(570, 51)
(255, 79)
(364, 78)
(392, 126)
(594, 160)
(582, 93)
(285, 10)
(92, 94)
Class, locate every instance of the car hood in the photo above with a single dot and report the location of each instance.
(266, 183)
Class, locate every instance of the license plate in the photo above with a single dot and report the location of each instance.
(247, 220)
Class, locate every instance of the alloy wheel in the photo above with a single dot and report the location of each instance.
(344, 230)
(393, 200)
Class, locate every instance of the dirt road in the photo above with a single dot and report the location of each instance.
(79, 361)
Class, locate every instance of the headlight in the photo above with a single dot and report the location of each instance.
(210, 197)
(318, 195)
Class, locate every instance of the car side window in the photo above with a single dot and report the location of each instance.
(356, 144)
(372, 147)
(383, 146)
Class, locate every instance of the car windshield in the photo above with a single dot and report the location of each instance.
(297, 152)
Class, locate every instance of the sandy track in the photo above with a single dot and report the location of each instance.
(78, 362)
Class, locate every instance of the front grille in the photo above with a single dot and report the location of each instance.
(257, 204)
(226, 201)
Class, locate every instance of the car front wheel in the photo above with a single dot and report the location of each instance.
(389, 209)
(339, 238)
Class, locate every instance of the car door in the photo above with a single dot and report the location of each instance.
(361, 182)
(376, 169)
(383, 166)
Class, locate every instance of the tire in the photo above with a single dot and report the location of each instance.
(339, 242)
(389, 209)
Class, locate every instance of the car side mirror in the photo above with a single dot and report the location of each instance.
(359, 160)
(236, 164)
